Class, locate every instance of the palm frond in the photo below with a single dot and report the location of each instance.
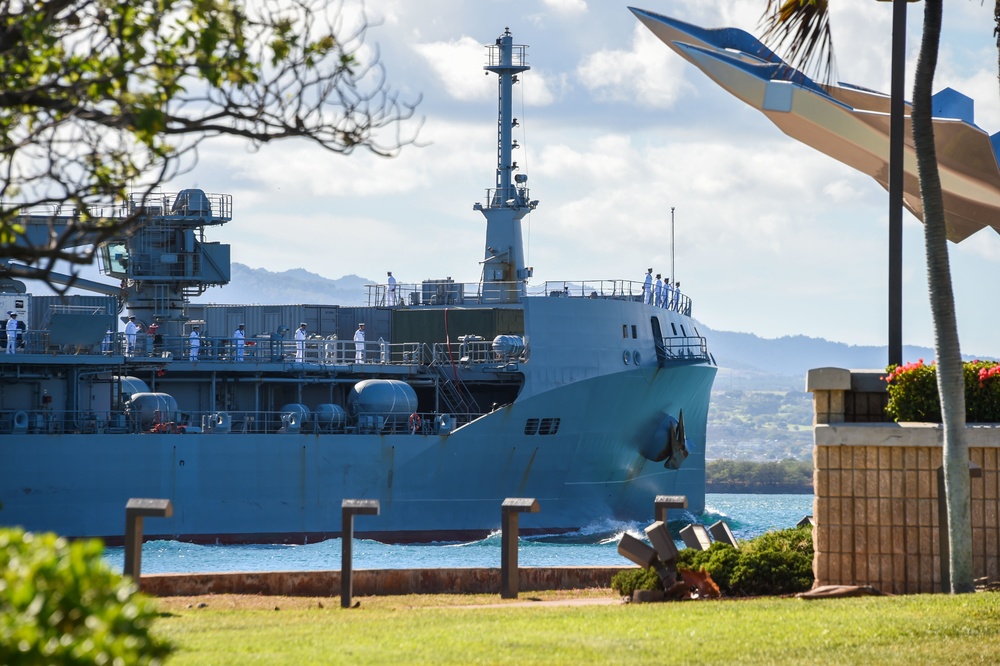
(801, 29)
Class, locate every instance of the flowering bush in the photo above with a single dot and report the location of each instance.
(913, 392)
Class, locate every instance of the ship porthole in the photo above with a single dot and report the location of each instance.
(636, 357)
(626, 357)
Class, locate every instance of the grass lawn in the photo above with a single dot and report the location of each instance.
(447, 629)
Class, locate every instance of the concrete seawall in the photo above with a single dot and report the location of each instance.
(376, 582)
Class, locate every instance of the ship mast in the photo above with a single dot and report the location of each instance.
(504, 272)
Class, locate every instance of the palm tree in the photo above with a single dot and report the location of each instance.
(804, 25)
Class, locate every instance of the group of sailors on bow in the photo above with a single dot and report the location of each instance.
(660, 293)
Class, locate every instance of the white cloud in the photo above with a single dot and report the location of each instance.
(648, 73)
(459, 67)
(567, 6)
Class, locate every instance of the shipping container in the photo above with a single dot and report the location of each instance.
(433, 325)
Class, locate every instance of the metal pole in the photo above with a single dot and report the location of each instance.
(672, 281)
(896, 127)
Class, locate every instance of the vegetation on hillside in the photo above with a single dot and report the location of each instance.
(759, 477)
(760, 425)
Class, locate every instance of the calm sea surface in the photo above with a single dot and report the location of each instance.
(595, 545)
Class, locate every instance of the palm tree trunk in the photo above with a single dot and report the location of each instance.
(950, 376)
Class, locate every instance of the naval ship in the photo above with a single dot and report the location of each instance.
(590, 396)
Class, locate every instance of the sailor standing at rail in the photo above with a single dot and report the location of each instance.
(390, 291)
(359, 344)
(240, 338)
(195, 343)
(647, 287)
(668, 294)
(657, 288)
(300, 342)
(131, 328)
(677, 297)
(12, 333)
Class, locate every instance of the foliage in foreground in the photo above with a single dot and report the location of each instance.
(60, 603)
(778, 562)
(913, 392)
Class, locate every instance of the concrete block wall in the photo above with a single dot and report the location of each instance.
(876, 509)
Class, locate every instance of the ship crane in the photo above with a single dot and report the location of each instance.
(161, 262)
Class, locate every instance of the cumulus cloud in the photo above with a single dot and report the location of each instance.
(459, 65)
(566, 6)
(648, 73)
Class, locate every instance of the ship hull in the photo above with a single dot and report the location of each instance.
(289, 487)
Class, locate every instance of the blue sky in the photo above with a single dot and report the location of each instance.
(771, 237)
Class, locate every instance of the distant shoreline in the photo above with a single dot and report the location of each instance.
(758, 489)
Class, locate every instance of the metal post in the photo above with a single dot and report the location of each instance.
(511, 508)
(135, 510)
(348, 508)
(896, 126)
(672, 280)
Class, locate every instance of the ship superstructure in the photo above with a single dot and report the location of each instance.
(580, 394)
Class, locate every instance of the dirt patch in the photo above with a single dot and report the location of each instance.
(257, 602)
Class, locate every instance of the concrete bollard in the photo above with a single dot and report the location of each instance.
(665, 547)
(696, 536)
(720, 532)
(135, 510)
(349, 508)
(512, 507)
(631, 548)
(664, 502)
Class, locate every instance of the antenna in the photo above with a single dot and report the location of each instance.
(672, 280)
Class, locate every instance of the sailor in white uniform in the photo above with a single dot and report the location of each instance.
(677, 297)
(131, 329)
(300, 342)
(195, 338)
(359, 344)
(657, 288)
(240, 338)
(390, 291)
(12, 333)
(668, 293)
(647, 287)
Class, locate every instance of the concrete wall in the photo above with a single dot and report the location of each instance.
(370, 582)
(877, 504)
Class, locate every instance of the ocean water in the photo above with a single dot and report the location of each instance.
(595, 545)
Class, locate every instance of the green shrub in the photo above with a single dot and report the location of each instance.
(628, 581)
(61, 604)
(913, 392)
(778, 562)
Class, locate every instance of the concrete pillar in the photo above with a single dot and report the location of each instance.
(664, 502)
(349, 508)
(828, 386)
(511, 508)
